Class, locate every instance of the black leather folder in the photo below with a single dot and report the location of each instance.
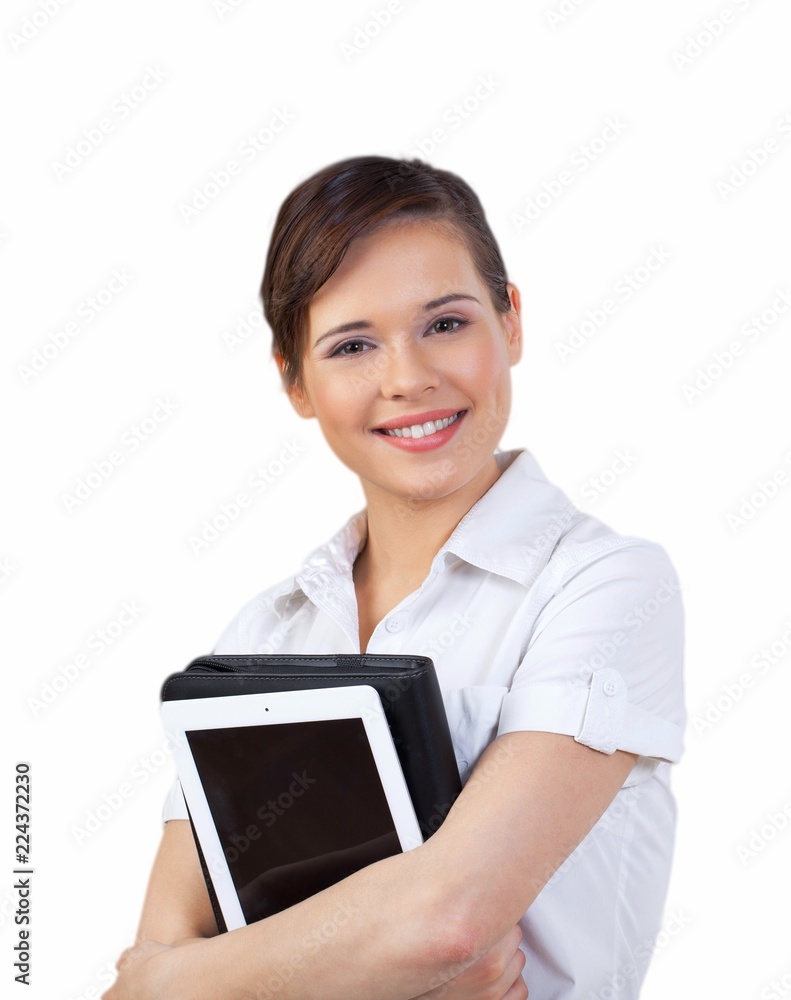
(410, 696)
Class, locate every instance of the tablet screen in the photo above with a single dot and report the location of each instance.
(298, 806)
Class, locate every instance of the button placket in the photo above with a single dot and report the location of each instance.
(398, 619)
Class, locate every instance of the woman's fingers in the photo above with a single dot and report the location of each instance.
(139, 952)
(505, 955)
(497, 975)
(123, 958)
(132, 970)
(513, 976)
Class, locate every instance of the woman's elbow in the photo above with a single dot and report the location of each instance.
(447, 941)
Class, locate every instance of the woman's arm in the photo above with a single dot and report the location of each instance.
(405, 925)
(177, 905)
(177, 910)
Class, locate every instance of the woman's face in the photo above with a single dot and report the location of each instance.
(382, 351)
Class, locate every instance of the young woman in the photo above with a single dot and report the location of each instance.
(557, 642)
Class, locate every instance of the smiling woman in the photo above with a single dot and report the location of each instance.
(410, 362)
(396, 328)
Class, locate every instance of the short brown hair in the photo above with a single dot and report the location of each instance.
(322, 215)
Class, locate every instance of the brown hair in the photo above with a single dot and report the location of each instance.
(322, 215)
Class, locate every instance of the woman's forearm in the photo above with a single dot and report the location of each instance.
(388, 932)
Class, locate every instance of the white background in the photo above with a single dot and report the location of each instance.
(222, 72)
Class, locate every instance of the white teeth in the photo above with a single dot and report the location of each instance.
(422, 430)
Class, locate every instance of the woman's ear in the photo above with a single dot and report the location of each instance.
(296, 392)
(512, 321)
(300, 401)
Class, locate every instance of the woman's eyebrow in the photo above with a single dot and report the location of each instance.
(362, 324)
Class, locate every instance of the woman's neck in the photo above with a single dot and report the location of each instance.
(404, 534)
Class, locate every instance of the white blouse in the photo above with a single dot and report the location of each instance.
(537, 616)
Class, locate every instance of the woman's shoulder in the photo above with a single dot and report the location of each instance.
(559, 538)
(276, 609)
(587, 538)
(261, 613)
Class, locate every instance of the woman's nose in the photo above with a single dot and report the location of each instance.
(405, 371)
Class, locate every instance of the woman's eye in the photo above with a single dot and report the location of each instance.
(447, 320)
(341, 349)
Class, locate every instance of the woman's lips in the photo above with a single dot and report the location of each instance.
(428, 442)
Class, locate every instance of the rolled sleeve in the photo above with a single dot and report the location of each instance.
(605, 661)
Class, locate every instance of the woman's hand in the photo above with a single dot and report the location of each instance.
(497, 975)
(140, 973)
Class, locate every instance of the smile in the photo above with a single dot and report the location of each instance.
(423, 430)
(428, 436)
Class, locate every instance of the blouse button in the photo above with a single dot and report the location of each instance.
(393, 624)
(610, 687)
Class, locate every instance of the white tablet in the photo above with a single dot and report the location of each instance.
(289, 792)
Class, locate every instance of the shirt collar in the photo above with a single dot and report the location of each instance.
(511, 530)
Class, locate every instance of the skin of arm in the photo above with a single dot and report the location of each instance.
(401, 927)
(177, 911)
(177, 905)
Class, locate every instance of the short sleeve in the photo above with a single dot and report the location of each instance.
(605, 661)
(175, 807)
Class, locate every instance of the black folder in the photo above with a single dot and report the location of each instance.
(408, 689)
